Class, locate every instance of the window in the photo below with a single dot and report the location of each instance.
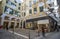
(30, 11)
(19, 8)
(41, 9)
(19, 3)
(5, 9)
(24, 13)
(30, 4)
(17, 13)
(15, 1)
(8, 2)
(35, 10)
(13, 4)
(11, 12)
(8, 10)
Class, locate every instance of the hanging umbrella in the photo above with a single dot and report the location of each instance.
(19, 1)
(41, 4)
(49, 1)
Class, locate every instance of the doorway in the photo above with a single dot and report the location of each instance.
(12, 25)
(5, 25)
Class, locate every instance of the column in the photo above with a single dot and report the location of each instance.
(38, 31)
(9, 23)
(2, 21)
(48, 27)
(25, 23)
(15, 23)
(20, 24)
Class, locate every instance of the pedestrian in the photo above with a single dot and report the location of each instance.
(38, 32)
(6, 27)
(57, 29)
(43, 32)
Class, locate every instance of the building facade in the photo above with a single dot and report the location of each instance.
(11, 14)
(32, 14)
(40, 13)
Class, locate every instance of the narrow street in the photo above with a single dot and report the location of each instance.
(4, 34)
(29, 19)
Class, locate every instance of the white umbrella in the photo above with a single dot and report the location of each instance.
(45, 9)
(19, 1)
(41, 4)
(50, 1)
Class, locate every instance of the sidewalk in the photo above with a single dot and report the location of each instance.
(33, 33)
(4, 34)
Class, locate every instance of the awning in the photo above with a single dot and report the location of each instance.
(43, 21)
(36, 19)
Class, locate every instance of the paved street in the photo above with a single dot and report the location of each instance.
(4, 34)
(23, 34)
(54, 35)
(33, 34)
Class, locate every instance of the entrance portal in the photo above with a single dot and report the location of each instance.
(5, 25)
(12, 25)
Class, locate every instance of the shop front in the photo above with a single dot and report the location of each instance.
(12, 25)
(37, 23)
(45, 24)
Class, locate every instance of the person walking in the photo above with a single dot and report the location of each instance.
(43, 32)
(38, 32)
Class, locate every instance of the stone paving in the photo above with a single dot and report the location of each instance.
(4, 34)
(54, 35)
